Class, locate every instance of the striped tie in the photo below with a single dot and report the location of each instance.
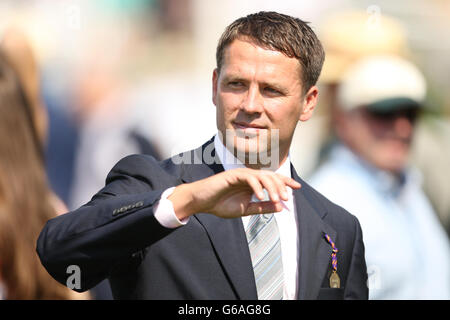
(265, 249)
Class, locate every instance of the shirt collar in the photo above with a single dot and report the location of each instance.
(229, 161)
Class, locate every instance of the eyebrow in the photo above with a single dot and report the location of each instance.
(235, 77)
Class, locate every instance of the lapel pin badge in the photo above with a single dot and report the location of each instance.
(335, 282)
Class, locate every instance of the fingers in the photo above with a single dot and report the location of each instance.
(229, 194)
(280, 185)
(290, 182)
(263, 207)
(275, 184)
(256, 186)
(269, 183)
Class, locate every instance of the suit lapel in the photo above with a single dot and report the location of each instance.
(315, 252)
(230, 243)
(227, 235)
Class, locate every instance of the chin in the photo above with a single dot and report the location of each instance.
(394, 165)
(391, 157)
(252, 155)
(246, 147)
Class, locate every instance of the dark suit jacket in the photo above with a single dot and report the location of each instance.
(116, 236)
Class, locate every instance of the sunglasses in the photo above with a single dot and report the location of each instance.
(409, 113)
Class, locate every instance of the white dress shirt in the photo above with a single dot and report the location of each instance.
(286, 219)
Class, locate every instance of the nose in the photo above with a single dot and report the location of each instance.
(403, 127)
(252, 102)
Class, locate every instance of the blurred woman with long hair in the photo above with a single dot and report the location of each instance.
(26, 201)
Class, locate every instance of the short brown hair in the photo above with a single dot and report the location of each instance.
(282, 33)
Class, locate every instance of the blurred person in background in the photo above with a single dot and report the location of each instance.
(17, 51)
(350, 35)
(367, 172)
(110, 126)
(26, 201)
(347, 36)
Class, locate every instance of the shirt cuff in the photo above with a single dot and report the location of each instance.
(165, 213)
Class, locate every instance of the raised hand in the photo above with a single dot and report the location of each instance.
(229, 193)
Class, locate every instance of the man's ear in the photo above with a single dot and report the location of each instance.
(215, 80)
(309, 103)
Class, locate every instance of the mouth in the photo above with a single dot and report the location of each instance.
(245, 125)
(249, 130)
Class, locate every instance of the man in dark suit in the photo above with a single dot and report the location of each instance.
(198, 225)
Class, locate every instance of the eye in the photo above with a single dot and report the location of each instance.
(235, 84)
(272, 91)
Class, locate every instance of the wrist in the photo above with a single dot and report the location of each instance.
(183, 201)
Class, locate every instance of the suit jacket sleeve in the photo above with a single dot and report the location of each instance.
(356, 286)
(108, 234)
